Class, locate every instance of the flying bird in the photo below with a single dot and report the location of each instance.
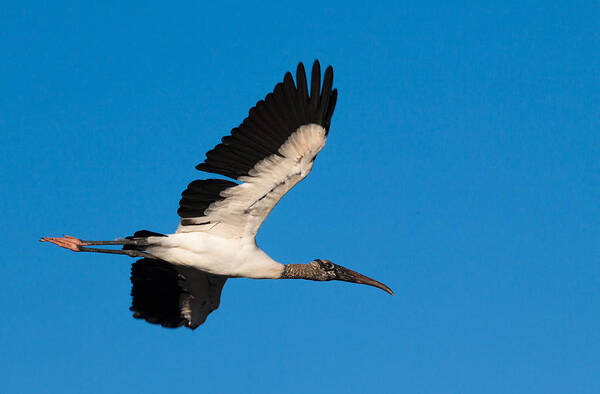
(179, 278)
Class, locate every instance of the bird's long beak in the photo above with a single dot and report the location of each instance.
(347, 275)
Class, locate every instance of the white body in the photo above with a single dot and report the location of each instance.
(234, 257)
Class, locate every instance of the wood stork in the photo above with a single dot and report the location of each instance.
(179, 279)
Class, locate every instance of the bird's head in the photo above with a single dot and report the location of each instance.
(326, 270)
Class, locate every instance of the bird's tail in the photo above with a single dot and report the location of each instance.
(141, 238)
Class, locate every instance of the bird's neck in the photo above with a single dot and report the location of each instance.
(299, 271)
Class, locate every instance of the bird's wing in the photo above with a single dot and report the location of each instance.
(171, 295)
(271, 151)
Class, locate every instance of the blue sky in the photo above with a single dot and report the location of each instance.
(462, 170)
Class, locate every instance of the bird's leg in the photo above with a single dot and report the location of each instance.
(77, 245)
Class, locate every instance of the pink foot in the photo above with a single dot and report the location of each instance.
(67, 242)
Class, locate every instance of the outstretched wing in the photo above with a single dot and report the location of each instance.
(171, 295)
(271, 151)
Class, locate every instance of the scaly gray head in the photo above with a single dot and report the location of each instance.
(324, 270)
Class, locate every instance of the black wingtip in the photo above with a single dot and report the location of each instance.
(273, 120)
(315, 84)
(288, 80)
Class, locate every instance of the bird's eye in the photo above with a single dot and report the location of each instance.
(325, 264)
